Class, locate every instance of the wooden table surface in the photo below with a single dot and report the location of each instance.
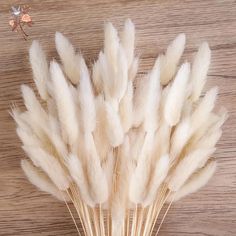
(212, 211)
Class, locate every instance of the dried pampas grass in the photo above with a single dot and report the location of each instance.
(117, 146)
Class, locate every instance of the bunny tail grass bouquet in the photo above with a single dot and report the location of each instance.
(118, 146)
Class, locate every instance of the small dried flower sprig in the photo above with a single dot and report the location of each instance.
(20, 18)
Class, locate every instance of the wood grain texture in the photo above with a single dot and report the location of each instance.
(210, 212)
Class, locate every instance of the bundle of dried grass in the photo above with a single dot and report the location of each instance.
(117, 146)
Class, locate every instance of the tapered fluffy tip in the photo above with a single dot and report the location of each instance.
(34, 46)
(24, 88)
(205, 47)
(54, 65)
(61, 41)
(109, 26)
(213, 92)
(180, 39)
(129, 23)
(197, 181)
(59, 36)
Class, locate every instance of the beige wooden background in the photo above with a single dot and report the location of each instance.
(211, 211)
